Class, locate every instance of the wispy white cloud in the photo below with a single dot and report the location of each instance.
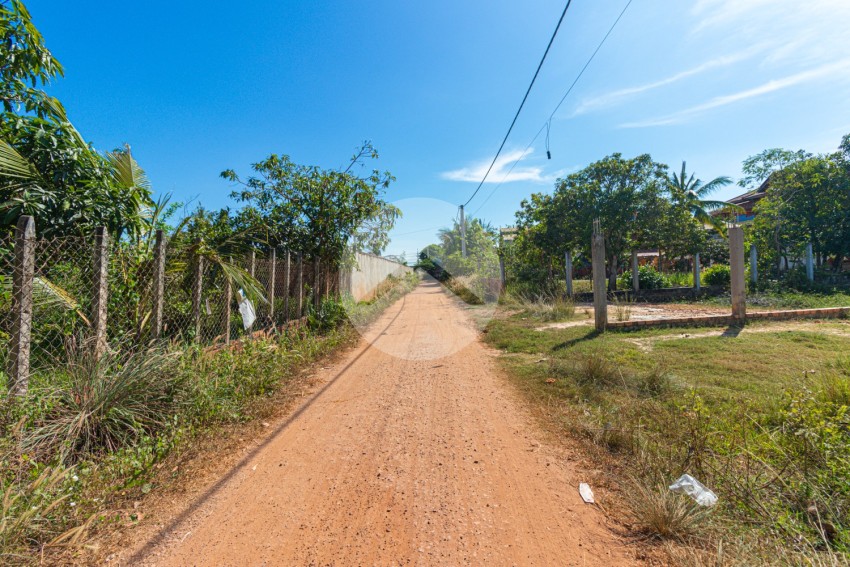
(681, 116)
(615, 97)
(499, 173)
(802, 33)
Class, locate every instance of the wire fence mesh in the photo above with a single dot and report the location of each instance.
(201, 301)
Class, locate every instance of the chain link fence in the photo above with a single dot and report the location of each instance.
(149, 292)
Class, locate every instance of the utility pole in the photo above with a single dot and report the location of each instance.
(462, 233)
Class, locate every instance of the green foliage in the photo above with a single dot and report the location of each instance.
(718, 274)
(104, 404)
(317, 211)
(648, 278)
(329, 315)
(27, 63)
(691, 193)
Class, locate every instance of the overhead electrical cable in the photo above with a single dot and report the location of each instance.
(557, 107)
(527, 92)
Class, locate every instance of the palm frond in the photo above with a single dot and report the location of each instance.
(16, 166)
(127, 172)
(713, 185)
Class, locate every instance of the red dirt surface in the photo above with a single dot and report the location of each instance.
(415, 451)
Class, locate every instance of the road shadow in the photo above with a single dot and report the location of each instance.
(160, 537)
(589, 336)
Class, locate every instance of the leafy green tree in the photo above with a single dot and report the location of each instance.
(25, 62)
(759, 167)
(46, 168)
(318, 211)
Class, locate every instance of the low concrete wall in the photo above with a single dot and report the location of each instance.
(718, 320)
(656, 295)
(369, 272)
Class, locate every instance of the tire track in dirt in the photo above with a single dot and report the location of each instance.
(415, 452)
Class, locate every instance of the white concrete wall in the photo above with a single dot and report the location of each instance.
(370, 271)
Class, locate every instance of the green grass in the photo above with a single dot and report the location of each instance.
(760, 417)
(787, 300)
(92, 434)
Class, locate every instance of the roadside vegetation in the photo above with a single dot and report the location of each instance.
(761, 419)
(92, 438)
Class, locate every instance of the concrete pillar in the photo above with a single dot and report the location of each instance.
(600, 291)
(568, 268)
(22, 282)
(158, 283)
(754, 264)
(228, 299)
(197, 290)
(300, 284)
(272, 276)
(101, 289)
(635, 272)
(502, 273)
(810, 263)
(736, 260)
(286, 273)
(697, 273)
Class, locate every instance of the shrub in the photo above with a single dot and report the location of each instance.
(105, 403)
(329, 315)
(718, 274)
(663, 514)
(648, 278)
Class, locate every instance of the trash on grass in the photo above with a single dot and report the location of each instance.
(586, 493)
(695, 489)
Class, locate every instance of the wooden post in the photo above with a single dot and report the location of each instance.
(272, 276)
(228, 299)
(810, 263)
(158, 283)
(197, 289)
(22, 282)
(101, 289)
(635, 272)
(252, 263)
(600, 291)
(286, 271)
(300, 284)
(736, 260)
(754, 264)
(568, 272)
(697, 273)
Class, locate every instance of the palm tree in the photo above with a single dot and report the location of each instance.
(692, 193)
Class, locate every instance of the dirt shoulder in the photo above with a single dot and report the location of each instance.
(411, 450)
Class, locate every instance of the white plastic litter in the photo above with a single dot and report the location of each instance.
(695, 489)
(586, 493)
(246, 309)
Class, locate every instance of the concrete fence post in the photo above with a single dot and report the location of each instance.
(568, 269)
(738, 283)
(810, 263)
(197, 290)
(697, 273)
(635, 272)
(300, 284)
(501, 274)
(101, 289)
(317, 298)
(286, 265)
(252, 262)
(158, 283)
(754, 264)
(228, 299)
(272, 281)
(22, 282)
(600, 290)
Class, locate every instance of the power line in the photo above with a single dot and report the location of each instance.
(558, 106)
(527, 92)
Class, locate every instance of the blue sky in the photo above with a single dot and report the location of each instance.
(198, 87)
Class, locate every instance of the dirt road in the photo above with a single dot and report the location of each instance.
(414, 452)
